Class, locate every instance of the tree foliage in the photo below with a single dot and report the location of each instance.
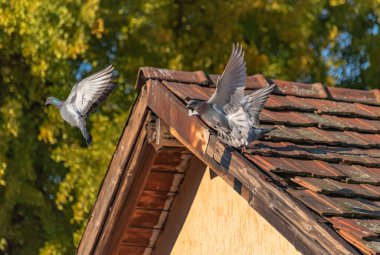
(48, 178)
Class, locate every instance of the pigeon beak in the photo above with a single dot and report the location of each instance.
(193, 112)
(47, 102)
(187, 106)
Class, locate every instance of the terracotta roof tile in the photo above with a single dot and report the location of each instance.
(312, 135)
(286, 118)
(315, 90)
(359, 174)
(289, 103)
(362, 228)
(367, 247)
(328, 186)
(347, 155)
(337, 206)
(322, 204)
(345, 109)
(353, 95)
(145, 73)
(295, 166)
(358, 207)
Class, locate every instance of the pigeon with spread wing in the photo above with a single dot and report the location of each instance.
(232, 115)
(83, 99)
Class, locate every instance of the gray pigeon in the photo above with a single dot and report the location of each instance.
(232, 115)
(84, 97)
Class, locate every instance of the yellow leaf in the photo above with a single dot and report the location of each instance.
(337, 2)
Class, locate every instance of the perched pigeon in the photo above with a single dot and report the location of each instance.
(235, 117)
(84, 97)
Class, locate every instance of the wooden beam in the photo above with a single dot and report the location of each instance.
(160, 137)
(296, 222)
(113, 177)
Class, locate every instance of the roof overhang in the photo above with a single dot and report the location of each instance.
(307, 231)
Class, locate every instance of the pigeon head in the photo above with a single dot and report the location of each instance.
(195, 107)
(54, 101)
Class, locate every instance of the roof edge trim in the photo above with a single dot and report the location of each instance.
(196, 77)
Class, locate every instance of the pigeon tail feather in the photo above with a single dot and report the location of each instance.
(89, 140)
(257, 133)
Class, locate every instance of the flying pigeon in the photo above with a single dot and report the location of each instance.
(83, 99)
(233, 116)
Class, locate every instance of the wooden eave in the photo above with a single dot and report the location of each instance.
(134, 157)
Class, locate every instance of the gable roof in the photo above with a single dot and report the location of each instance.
(315, 178)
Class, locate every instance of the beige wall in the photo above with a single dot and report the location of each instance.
(221, 222)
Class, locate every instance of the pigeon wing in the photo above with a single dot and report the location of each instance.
(86, 95)
(254, 103)
(231, 83)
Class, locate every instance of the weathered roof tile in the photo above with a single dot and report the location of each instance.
(353, 95)
(321, 204)
(337, 206)
(362, 228)
(198, 77)
(315, 90)
(329, 186)
(296, 166)
(359, 174)
(367, 247)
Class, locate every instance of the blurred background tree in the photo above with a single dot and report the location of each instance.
(48, 178)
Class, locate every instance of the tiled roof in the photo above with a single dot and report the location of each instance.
(325, 151)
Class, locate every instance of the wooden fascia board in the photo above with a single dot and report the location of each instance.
(303, 228)
(113, 177)
(131, 186)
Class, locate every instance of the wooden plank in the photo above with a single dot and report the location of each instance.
(155, 200)
(142, 218)
(286, 214)
(133, 250)
(164, 181)
(168, 162)
(132, 183)
(137, 236)
(113, 176)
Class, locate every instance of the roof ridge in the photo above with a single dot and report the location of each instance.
(256, 81)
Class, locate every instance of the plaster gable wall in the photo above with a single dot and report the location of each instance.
(221, 222)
